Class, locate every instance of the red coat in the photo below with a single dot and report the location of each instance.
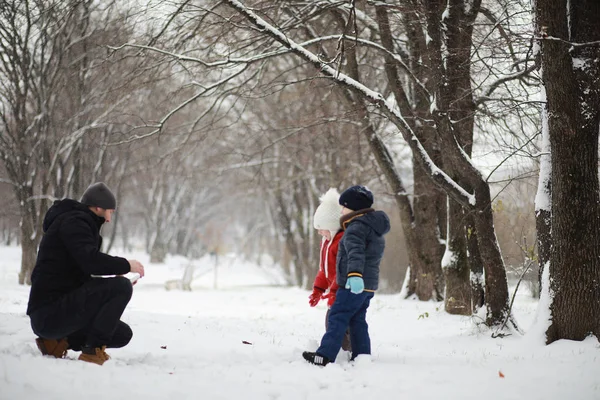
(325, 278)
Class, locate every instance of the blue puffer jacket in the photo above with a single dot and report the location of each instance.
(362, 246)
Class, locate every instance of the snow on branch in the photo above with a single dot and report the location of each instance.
(373, 97)
(574, 44)
(275, 53)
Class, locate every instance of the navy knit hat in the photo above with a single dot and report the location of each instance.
(356, 198)
(99, 195)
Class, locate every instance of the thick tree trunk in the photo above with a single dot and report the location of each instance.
(543, 201)
(575, 254)
(428, 250)
(496, 286)
(570, 75)
(475, 266)
(425, 253)
(455, 264)
(461, 108)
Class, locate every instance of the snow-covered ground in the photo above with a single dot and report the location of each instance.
(192, 345)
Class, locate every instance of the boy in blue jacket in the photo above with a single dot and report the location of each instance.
(359, 255)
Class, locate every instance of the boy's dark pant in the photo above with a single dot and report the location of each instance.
(89, 315)
(348, 311)
(346, 344)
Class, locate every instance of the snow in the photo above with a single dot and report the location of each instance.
(580, 63)
(543, 317)
(449, 258)
(419, 352)
(543, 198)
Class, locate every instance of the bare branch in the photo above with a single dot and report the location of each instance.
(375, 98)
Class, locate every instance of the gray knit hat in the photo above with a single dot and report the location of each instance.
(99, 195)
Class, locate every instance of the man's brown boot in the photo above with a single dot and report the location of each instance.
(95, 355)
(52, 347)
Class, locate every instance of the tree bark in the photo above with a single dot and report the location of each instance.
(455, 265)
(28, 254)
(475, 266)
(428, 249)
(543, 201)
(570, 76)
(29, 238)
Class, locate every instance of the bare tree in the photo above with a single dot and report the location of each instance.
(56, 100)
(34, 39)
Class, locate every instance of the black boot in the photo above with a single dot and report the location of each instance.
(315, 358)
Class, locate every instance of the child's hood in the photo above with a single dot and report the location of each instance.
(377, 220)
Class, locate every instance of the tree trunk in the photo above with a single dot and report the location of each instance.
(570, 76)
(455, 264)
(29, 238)
(159, 250)
(28, 253)
(423, 233)
(291, 244)
(496, 286)
(427, 250)
(475, 266)
(543, 201)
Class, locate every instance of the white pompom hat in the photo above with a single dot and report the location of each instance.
(327, 216)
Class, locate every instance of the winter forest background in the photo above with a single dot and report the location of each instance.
(219, 123)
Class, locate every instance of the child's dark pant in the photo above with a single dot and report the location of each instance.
(348, 311)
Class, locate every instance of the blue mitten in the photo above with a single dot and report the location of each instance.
(355, 284)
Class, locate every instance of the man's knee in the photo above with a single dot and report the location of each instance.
(121, 286)
(122, 336)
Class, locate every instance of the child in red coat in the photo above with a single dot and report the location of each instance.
(327, 222)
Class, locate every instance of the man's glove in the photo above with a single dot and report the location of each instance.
(355, 284)
(315, 297)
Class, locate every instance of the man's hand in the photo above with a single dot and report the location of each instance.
(136, 266)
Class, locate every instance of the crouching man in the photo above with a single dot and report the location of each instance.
(68, 307)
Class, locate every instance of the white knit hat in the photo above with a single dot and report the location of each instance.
(327, 216)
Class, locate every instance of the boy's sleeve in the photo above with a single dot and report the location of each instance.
(355, 244)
